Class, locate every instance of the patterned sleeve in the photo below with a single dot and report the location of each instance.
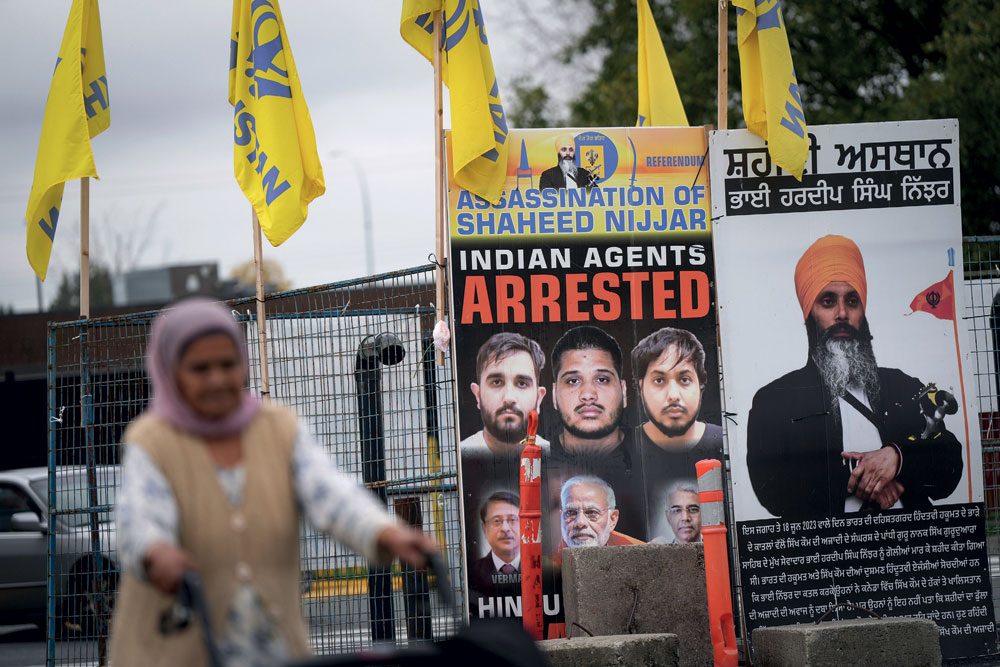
(332, 501)
(145, 510)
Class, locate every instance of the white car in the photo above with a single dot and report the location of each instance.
(83, 558)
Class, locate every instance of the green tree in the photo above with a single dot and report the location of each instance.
(531, 105)
(965, 84)
(68, 293)
(688, 29)
(868, 60)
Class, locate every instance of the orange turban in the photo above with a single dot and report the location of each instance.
(565, 140)
(830, 259)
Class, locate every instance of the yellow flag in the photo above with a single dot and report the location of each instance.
(479, 126)
(772, 107)
(78, 108)
(659, 102)
(274, 149)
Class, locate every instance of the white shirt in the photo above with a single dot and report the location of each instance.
(500, 562)
(859, 435)
(476, 444)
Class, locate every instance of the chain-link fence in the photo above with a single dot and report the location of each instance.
(981, 256)
(355, 360)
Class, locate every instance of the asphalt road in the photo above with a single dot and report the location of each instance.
(24, 646)
(21, 645)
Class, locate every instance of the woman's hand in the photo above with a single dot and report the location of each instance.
(406, 544)
(165, 565)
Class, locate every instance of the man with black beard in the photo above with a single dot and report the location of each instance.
(669, 365)
(506, 390)
(842, 434)
(566, 173)
(588, 391)
(588, 394)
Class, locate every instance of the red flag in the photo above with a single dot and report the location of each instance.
(938, 299)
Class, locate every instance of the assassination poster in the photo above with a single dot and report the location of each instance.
(857, 474)
(586, 293)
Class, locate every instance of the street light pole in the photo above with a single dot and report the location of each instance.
(366, 209)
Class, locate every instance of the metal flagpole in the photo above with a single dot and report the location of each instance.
(258, 260)
(438, 176)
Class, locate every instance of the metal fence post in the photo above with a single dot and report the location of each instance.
(50, 565)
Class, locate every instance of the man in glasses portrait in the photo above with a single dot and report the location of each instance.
(499, 571)
(683, 512)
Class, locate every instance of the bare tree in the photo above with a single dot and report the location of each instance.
(118, 241)
(536, 46)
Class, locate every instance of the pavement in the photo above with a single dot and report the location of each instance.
(24, 646)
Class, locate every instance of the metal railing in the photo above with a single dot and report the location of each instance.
(355, 360)
(386, 415)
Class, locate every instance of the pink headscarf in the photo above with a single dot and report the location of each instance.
(173, 330)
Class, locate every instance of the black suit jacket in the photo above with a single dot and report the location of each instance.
(794, 444)
(554, 178)
(482, 579)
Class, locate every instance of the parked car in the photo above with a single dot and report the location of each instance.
(84, 558)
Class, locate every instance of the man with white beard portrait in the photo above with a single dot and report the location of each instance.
(842, 434)
(566, 173)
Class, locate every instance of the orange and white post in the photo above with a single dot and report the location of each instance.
(531, 533)
(713, 531)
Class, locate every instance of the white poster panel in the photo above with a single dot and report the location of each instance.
(855, 453)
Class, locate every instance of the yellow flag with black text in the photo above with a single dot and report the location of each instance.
(659, 101)
(772, 106)
(274, 146)
(78, 109)
(479, 126)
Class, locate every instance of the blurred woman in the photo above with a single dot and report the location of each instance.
(214, 480)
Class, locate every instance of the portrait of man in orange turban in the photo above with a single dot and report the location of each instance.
(566, 173)
(842, 434)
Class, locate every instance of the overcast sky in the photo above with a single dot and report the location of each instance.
(166, 162)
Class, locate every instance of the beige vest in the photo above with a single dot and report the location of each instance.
(257, 543)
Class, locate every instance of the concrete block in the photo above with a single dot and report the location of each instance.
(881, 642)
(664, 583)
(651, 650)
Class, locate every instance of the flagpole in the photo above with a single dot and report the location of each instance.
(258, 260)
(723, 83)
(965, 411)
(84, 248)
(438, 177)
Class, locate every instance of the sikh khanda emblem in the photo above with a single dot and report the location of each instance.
(768, 14)
(933, 298)
(267, 58)
(593, 157)
(597, 153)
(456, 24)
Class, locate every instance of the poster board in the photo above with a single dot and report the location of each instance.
(891, 192)
(584, 265)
